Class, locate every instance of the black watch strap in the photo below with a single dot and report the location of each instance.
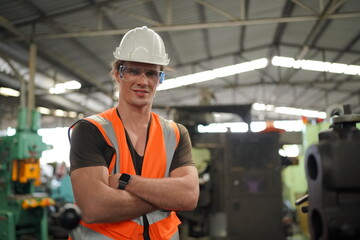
(124, 180)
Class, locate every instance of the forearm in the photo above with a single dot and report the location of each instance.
(99, 202)
(172, 193)
(114, 205)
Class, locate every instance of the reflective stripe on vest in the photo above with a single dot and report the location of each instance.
(163, 138)
(84, 233)
(168, 133)
(107, 125)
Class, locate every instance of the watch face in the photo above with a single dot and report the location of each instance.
(124, 177)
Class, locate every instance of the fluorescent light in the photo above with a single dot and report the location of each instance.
(288, 125)
(352, 70)
(280, 61)
(283, 61)
(62, 87)
(289, 110)
(60, 113)
(213, 74)
(72, 114)
(59, 88)
(72, 85)
(44, 110)
(262, 107)
(212, 128)
(9, 92)
(300, 112)
(314, 65)
(338, 68)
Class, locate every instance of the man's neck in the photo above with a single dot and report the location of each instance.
(134, 117)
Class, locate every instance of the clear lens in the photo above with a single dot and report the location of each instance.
(151, 74)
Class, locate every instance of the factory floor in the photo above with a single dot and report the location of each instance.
(297, 234)
(60, 234)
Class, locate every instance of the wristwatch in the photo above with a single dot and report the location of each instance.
(124, 180)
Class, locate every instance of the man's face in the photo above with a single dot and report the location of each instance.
(138, 82)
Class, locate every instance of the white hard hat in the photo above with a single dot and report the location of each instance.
(142, 45)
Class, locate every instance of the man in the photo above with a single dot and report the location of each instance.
(130, 168)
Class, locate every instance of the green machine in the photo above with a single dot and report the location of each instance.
(23, 208)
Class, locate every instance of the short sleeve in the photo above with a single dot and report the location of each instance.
(182, 156)
(88, 147)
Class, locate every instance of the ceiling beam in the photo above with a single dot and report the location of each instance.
(75, 10)
(310, 39)
(216, 9)
(57, 58)
(196, 26)
(205, 32)
(11, 28)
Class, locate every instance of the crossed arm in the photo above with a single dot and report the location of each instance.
(99, 199)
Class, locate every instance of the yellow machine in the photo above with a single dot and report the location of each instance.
(22, 207)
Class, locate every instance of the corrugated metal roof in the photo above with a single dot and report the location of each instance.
(199, 35)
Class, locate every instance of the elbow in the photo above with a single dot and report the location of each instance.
(90, 214)
(192, 201)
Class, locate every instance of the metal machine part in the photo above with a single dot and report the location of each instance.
(243, 197)
(332, 171)
(22, 207)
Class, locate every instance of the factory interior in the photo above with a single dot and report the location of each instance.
(268, 90)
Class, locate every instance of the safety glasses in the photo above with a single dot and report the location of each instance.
(151, 74)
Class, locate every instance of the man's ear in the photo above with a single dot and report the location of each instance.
(118, 75)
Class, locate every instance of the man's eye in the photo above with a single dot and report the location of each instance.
(151, 73)
(133, 71)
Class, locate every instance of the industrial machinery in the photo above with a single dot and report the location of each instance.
(243, 198)
(22, 206)
(333, 176)
(241, 188)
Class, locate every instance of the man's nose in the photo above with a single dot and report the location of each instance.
(143, 79)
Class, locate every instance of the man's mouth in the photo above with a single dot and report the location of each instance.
(141, 92)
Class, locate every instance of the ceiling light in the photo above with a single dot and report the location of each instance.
(44, 110)
(283, 61)
(338, 68)
(72, 85)
(60, 113)
(288, 125)
(300, 112)
(72, 114)
(262, 107)
(59, 88)
(289, 110)
(314, 65)
(213, 74)
(62, 87)
(9, 92)
(352, 70)
(212, 128)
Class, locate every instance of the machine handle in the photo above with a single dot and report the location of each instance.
(69, 216)
(302, 200)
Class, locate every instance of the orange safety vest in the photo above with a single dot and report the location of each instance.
(163, 138)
